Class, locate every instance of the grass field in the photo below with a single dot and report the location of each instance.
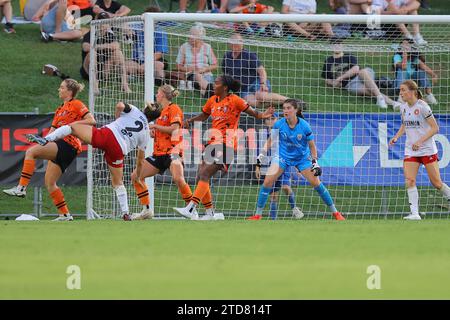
(228, 260)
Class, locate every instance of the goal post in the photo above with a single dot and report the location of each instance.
(351, 125)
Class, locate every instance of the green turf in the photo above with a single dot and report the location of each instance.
(225, 260)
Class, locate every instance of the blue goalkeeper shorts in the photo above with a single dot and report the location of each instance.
(301, 164)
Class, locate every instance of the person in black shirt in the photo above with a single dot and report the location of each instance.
(108, 55)
(113, 8)
(341, 70)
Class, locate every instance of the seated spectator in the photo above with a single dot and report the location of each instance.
(308, 30)
(252, 7)
(200, 7)
(108, 55)
(136, 66)
(338, 6)
(409, 64)
(405, 7)
(217, 6)
(54, 24)
(197, 60)
(6, 10)
(245, 66)
(359, 6)
(341, 70)
(341, 30)
(113, 8)
(230, 4)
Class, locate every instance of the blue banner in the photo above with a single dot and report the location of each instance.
(353, 149)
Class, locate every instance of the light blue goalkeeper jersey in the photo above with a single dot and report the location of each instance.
(292, 144)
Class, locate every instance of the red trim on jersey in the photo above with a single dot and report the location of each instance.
(105, 140)
(423, 159)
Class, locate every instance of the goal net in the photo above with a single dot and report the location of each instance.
(353, 112)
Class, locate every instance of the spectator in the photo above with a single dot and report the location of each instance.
(409, 64)
(359, 6)
(54, 24)
(230, 4)
(197, 60)
(108, 55)
(338, 6)
(161, 47)
(113, 8)
(341, 30)
(424, 4)
(405, 7)
(245, 66)
(200, 7)
(252, 7)
(6, 10)
(308, 30)
(341, 70)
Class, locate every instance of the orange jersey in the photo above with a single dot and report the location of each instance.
(164, 142)
(259, 8)
(225, 118)
(82, 4)
(67, 113)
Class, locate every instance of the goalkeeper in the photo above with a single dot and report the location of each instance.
(293, 139)
(283, 182)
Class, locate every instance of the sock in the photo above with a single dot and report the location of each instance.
(326, 197)
(27, 173)
(200, 191)
(413, 197)
(59, 133)
(122, 197)
(291, 198)
(58, 199)
(142, 193)
(262, 199)
(445, 190)
(207, 201)
(273, 209)
(186, 192)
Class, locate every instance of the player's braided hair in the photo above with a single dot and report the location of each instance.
(73, 86)
(169, 91)
(299, 105)
(231, 83)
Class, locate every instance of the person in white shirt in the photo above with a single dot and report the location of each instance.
(404, 7)
(420, 126)
(116, 139)
(308, 30)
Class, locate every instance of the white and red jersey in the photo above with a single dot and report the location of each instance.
(414, 118)
(131, 130)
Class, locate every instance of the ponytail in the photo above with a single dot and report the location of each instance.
(412, 85)
(73, 86)
(299, 105)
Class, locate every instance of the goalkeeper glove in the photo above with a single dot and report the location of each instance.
(316, 168)
(260, 160)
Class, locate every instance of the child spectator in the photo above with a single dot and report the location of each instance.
(252, 7)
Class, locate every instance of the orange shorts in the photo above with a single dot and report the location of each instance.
(423, 159)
